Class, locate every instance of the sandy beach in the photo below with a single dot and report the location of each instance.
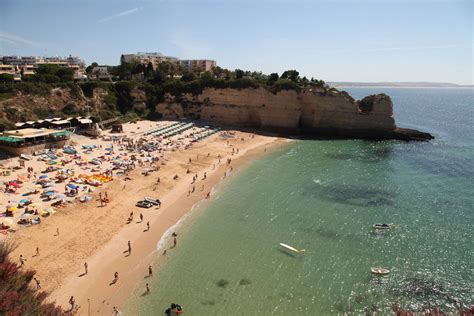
(98, 233)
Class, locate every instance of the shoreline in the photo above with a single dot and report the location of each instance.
(98, 296)
(189, 219)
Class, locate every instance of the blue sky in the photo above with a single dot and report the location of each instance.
(366, 40)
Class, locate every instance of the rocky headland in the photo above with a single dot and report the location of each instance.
(307, 112)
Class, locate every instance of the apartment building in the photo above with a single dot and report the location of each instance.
(199, 65)
(11, 70)
(146, 58)
(157, 58)
(26, 65)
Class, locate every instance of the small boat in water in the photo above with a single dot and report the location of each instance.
(382, 226)
(292, 248)
(380, 271)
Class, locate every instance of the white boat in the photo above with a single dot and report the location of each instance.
(382, 226)
(380, 271)
(292, 248)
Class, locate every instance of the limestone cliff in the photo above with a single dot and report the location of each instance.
(331, 113)
(316, 111)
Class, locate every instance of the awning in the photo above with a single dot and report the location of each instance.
(10, 139)
(62, 133)
(60, 122)
(85, 121)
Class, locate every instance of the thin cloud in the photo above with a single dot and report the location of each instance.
(119, 15)
(16, 39)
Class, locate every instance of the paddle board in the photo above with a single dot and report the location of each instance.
(292, 248)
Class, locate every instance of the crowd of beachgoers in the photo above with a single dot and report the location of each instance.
(52, 179)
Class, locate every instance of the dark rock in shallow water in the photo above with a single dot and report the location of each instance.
(222, 283)
(244, 282)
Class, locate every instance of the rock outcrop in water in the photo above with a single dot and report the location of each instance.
(311, 111)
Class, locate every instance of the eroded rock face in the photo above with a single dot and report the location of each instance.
(332, 113)
(25, 107)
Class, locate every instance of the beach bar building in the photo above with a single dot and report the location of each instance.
(29, 140)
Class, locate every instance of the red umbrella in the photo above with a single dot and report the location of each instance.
(14, 184)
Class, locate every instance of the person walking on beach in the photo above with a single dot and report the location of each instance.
(205, 176)
(174, 242)
(38, 286)
(147, 226)
(194, 189)
(150, 271)
(72, 302)
(115, 277)
(129, 248)
(37, 252)
(147, 289)
(85, 268)
(57, 232)
(141, 217)
(22, 261)
(115, 311)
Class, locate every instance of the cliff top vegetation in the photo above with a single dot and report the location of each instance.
(155, 83)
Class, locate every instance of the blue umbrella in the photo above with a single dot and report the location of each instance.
(72, 186)
(49, 193)
(43, 176)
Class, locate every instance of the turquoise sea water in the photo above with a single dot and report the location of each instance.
(324, 196)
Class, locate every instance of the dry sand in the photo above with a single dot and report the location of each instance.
(99, 235)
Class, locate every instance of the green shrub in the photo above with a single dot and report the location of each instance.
(17, 297)
(285, 84)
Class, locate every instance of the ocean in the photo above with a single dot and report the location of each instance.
(324, 196)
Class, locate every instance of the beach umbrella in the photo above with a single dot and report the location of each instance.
(43, 176)
(49, 193)
(14, 184)
(12, 209)
(72, 186)
(24, 201)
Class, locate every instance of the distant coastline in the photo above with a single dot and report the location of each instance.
(397, 85)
